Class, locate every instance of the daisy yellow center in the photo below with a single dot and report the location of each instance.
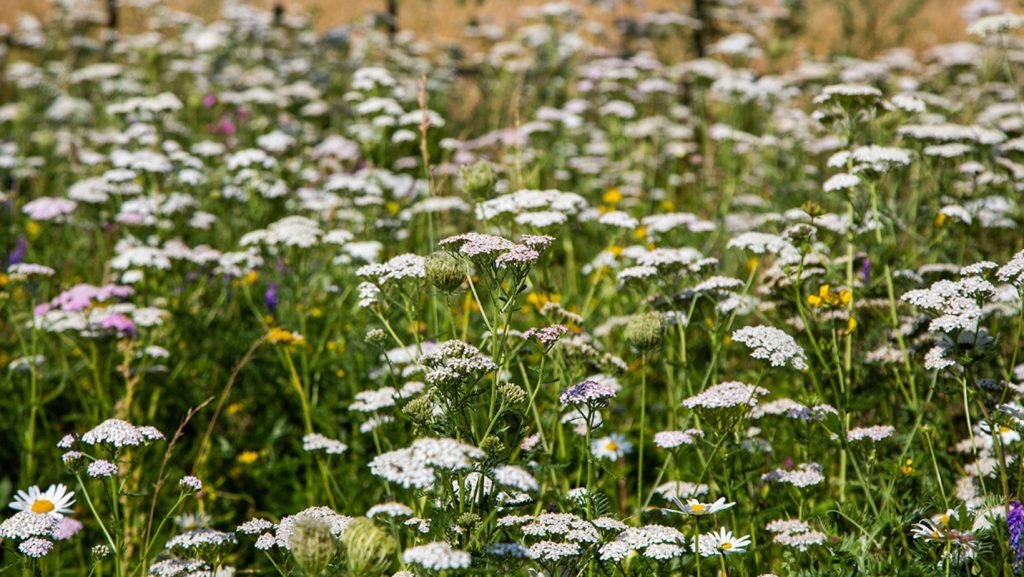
(612, 446)
(697, 507)
(1005, 429)
(727, 545)
(42, 506)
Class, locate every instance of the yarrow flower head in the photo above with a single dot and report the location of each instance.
(100, 469)
(726, 395)
(876, 433)
(589, 393)
(454, 364)
(773, 345)
(804, 475)
(26, 524)
(118, 434)
(316, 442)
(652, 541)
(36, 547)
(795, 533)
(673, 439)
(190, 484)
(546, 336)
(416, 465)
(996, 24)
(203, 538)
(491, 249)
(437, 556)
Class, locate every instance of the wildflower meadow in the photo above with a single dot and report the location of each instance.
(572, 296)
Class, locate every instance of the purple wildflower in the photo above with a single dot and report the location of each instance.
(18, 254)
(270, 297)
(1015, 526)
(209, 100)
(865, 269)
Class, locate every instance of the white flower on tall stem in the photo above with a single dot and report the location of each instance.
(55, 501)
(695, 507)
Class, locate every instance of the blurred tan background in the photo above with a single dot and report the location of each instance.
(880, 23)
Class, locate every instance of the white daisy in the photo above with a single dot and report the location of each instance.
(613, 447)
(56, 501)
(695, 507)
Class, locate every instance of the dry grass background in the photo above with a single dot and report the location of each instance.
(880, 23)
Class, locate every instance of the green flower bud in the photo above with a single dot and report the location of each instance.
(477, 179)
(512, 393)
(313, 546)
(467, 520)
(492, 445)
(370, 550)
(444, 271)
(420, 410)
(812, 208)
(644, 331)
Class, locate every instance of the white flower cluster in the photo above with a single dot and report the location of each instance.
(291, 231)
(673, 439)
(538, 208)
(996, 24)
(726, 395)
(871, 158)
(653, 541)
(118, 433)
(397, 269)
(875, 433)
(566, 526)
(316, 442)
(202, 538)
(26, 524)
(804, 475)
(437, 556)
(100, 469)
(764, 243)
(254, 527)
(488, 248)
(392, 510)
(795, 533)
(773, 345)
(455, 363)
(283, 535)
(414, 466)
(957, 303)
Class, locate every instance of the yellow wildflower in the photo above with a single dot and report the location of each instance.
(280, 335)
(248, 457)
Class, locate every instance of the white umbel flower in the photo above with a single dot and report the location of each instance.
(772, 345)
(437, 556)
